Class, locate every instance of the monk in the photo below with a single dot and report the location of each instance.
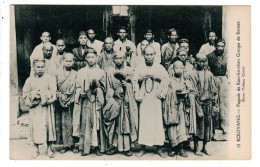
(93, 42)
(39, 93)
(174, 110)
(38, 50)
(139, 58)
(184, 43)
(169, 50)
(149, 37)
(90, 89)
(217, 62)
(60, 45)
(123, 44)
(80, 51)
(150, 83)
(122, 127)
(206, 104)
(209, 47)
(50, 61)
(66, 89)
(106, 56)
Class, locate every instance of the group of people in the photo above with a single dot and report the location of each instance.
(111, 96)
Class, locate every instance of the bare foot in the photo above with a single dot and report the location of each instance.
(50, 154)
(140, 154)
(35, 154)
(198, 153)
(205, 151)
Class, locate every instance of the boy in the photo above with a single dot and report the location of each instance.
(39, 93)
(122, 130)
(66, 85)
(90, 87)
(206, 103)
(175, 110)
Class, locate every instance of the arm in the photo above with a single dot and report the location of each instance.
(29, 95)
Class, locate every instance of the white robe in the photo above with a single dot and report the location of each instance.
(151, 130)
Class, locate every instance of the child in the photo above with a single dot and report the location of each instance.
(66, 85)
(90, 85)
(174, 110)
(39, 93)
(206, 98)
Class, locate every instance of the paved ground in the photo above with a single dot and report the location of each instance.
(20, 149)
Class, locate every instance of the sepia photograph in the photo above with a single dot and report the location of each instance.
(130, 82)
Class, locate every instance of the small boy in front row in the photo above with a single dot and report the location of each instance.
(39, 93)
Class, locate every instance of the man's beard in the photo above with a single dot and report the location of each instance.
(220, 52)
(148, 63)
(47, 56)
(61, 52)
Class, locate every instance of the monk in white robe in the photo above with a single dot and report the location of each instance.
(39, 93)
(150, 83)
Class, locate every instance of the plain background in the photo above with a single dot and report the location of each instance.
(4, 86)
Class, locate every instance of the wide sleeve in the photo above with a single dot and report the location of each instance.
(164, 82)
(50, 94)
(109, 83)
(136, 87)
(29, 95)
(202, 49)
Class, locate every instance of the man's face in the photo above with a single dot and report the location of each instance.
(173, 37)
(119, 60)
(47, 52)
(149, 56)
(220, 47)
(60, 46)
(212, 37)
(68, 61)
(91, 58)
(83, 40)
(149, 36)
(45, 37)
(178, 68)
(39, 68)
(91, 34)
(183, 56)
(122, 34)
(185, 46)
(201, 63)
(144, 44)
(108, 44)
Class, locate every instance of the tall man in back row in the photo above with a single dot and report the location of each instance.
(217, 62)
(93, 42)
(150, 83)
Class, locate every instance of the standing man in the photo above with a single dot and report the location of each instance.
(169, 50)
(209, 47)
(106, 56)
(80, 52)
(149, 36)
(150, 83)
(184, 43)
(122, 44)
(217, 62)
(122, 129)
(93, 42)
(60, 45)
(37, 51)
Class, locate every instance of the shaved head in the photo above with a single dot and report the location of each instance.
(47, 45)
(45, 33)
(109, 39)
(60, 42)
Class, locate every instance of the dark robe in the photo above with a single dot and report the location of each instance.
(66, 89)
(79, 59)
(122, 127)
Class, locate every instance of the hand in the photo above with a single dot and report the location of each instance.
(83, 94)
(123, 83)
(68, 93)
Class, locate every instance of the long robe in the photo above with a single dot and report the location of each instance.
(188, 74)
(151, 130)
(218, 67)
(106, 60)
(41, 113)
(66, 89)
(206, 97)
(121, 130)
(90, 107)
(174, 112)
(169, 52)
